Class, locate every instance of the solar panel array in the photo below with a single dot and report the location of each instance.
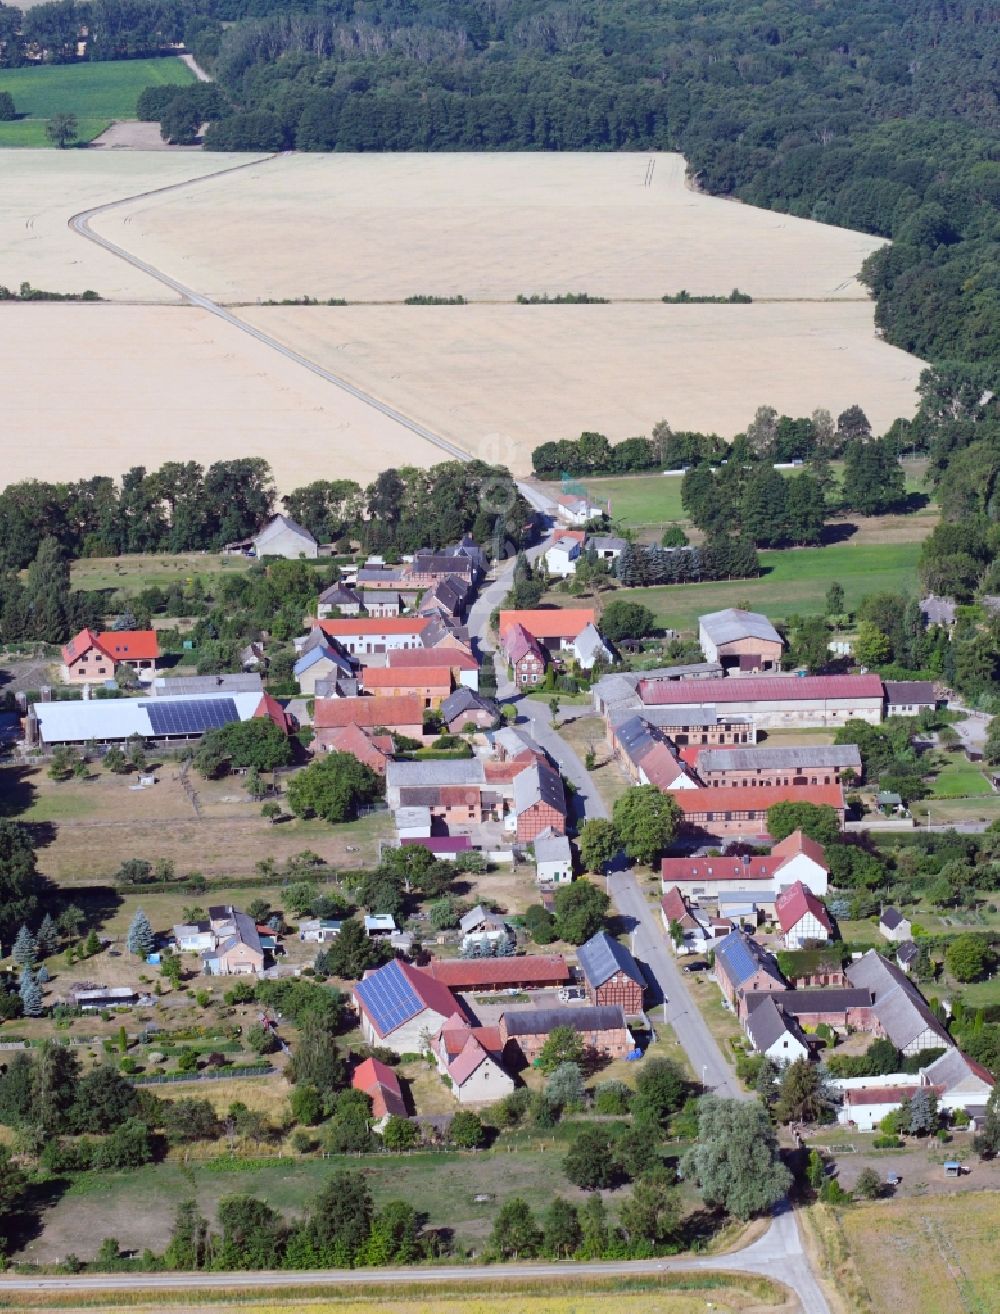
(389, 998)
(169, 716)
(736, 957)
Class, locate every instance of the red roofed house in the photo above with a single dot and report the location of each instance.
(403, 1007)
(741, 810)
(866, 1105)
(555, 628)
(403, 716)
(381, 1085)
(361, 634)
(273, 710)
(524, 654)
(796, 858)
(697, 936)
(802, 917)
(373, 750)
(774, 701)
(463, 666)
(91, 658)
(431, 684)
(528, 972)
(471, 1058)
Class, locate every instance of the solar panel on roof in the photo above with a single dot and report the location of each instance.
(389, 998)
(174, 717)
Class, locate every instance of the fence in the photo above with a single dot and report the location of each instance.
(223, 1074)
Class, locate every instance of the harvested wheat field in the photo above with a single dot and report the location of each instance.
(499, 380)
(42, 189)
(117, 386)
(484, 226)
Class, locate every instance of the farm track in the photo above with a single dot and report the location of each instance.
(80, 224)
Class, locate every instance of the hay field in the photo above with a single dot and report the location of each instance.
(934, 1255)
(485, 226)
(499, 380)
(117, 386)
(43, 188)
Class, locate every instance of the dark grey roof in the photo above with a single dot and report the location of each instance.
(171, 686)
(440, 563)
(601, 957)
(899, 1006)
(909, 691)
(907, 952)
(538, 783)
(337, 594)
(802, 1003)
(767, 1023)
(540, 1021)
(760, 759)
(465, 699)
(891, 918)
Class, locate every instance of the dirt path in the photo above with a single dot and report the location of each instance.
(195, 68)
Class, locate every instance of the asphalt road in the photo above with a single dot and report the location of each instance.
(778, 1254)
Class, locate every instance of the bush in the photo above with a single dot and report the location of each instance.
(612, 1098)
(886, 1142)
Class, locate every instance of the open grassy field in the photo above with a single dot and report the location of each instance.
(89, 827)
(680, 1293)
(651, 501)
(960, 778)
(794, 581)
(133, 574)
(96, 93)
(935, 1255)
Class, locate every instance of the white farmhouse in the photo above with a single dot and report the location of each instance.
(282, 537)
(553, 859)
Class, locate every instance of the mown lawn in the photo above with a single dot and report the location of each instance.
(960, 778)
(794, 581)
(132, 574)
(96, 93)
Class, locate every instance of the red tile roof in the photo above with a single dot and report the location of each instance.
(130, 645)
(768, 688)
(374, 750)
(676, 910)
(798, 842)
(271, 708)
(431, 993)
(453, 658)
(365, 626)
(793, 904)
(336, 713)
(549, 623)
(881, 1094)
(381, 1085)
(741, 867)
(749, 798)
(517, 643)
(409, 677)
(472, 973)
(472, 1057)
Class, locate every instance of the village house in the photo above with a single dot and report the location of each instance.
(320, 658)
(378, 1081)
(381, 603)
(464, 777)
(574, 510)
(805, 764)
(563, 553)
(402, 1007)
(318, 930)
(465, 707)
(603, 1030)
(939, 611)
(373, 749)
(282, 537)
(618, 692)
(893, 926)
(866, 1103)
(741, 811)
(114, 720)
(556, 629)
(463, 666)
(843, 1008)
(472, 1060)
(381, 715)
(539, 802)
(962, 1082)
(361, 635)
(775, 1034)
(553, 859)
(903, 1014)
(742, 965)
(795, 858)
(649, 758)
(909, 697)
(907, 954)
(448, 596)
(743, 642)
(91, 658)
(606, 547)
(427, 568)
(802, 917)
(340, 599)
(589, 648)
(228, 942)
(611, 974)
(524, 655)
(697, 935)
(431, 684)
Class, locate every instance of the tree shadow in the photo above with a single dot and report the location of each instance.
(27, 1224)
(17, 790)
(837, 531)
(701, 1226)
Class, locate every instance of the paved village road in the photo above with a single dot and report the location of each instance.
(778, 1254)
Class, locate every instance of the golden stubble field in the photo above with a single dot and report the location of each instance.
(113, 386)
